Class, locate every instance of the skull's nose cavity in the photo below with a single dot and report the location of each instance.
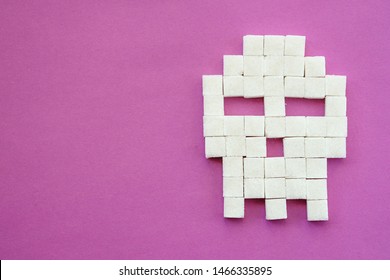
(275, 147)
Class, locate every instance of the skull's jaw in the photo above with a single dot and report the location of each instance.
(266, 178)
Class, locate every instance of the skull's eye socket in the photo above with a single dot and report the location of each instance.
(239, 106)
(305, 107)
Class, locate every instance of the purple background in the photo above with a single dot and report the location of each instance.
(101, 147)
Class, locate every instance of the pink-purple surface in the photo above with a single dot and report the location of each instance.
(101, 147)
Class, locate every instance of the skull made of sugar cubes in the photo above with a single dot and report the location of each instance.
(274, 67)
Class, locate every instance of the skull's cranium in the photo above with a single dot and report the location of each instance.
(274, 67)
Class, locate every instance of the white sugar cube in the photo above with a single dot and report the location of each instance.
(296, 188)
(233, 166)
(273, 65)
(275, 127)
(336, 126)
(234, 207)
(336, 85)
(315, 88)
(275, 209)
(274, 45)
(316, 126)
(317, 210)
(274, 86)
(234, 125)
(294, 87)
(295, 126)
(275, 187)
(233, 86)
(253, 87)
(213, 125)
(274, 167)
(274, 106)
(235, 146)
(336, 147)
(233, 186)
(295, 168)
(316, 168)
(254, 167)
(294, 147)
(315, 147)
(335, 106)
(254, 126)
(256, 147)
(315, 66)
(254, 188)
(233, 65)
(253, 45)
(316, 189)
(295, 45)
(294, 66)
(253, 65)
(213, 105)
(212, 85)
(215, 147)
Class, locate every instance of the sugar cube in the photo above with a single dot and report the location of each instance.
(253, 65)
(254, 167)
(273, 86)
(336, 147)
(294, 66)
(275, 127)
(335, 106)
(294, 45)
(295, 168)
(274, 106)
(294, 147)
(315, 147)
(296, 188)
(254, 125)
(233, 86)
(294, 87)
(213, 125)
(233, 186)
(274, 167)
(253, 45)
(316, 168)
(295, 126)
(316, 189)
(233, 166)
(274, 45)
(233, 65)
(234, 207)
(335, 85)
(315, 88)
(273, 65)
(275, 187)
(213, 105)
(317, 210)
(336, 126)
(234, 125)
(275, 209)
(215, 147)
(316, 126)
(212, 85)
(253, 87)
(256, 147)
(254, 188)
(235, 146)
(315, 66)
